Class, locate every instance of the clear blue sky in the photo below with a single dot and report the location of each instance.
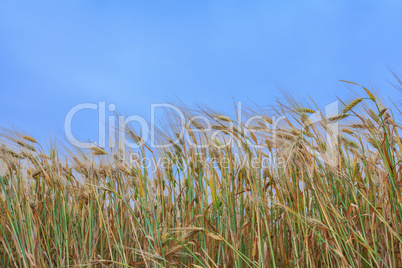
(57, 54)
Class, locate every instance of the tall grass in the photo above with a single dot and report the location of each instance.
(324, 200)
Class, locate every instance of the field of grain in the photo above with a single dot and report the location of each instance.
(329, 196)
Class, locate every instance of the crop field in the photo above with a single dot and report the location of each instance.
(288, 186)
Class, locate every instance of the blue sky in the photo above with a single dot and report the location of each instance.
(57, 54)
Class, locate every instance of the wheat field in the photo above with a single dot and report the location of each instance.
(305, 193)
